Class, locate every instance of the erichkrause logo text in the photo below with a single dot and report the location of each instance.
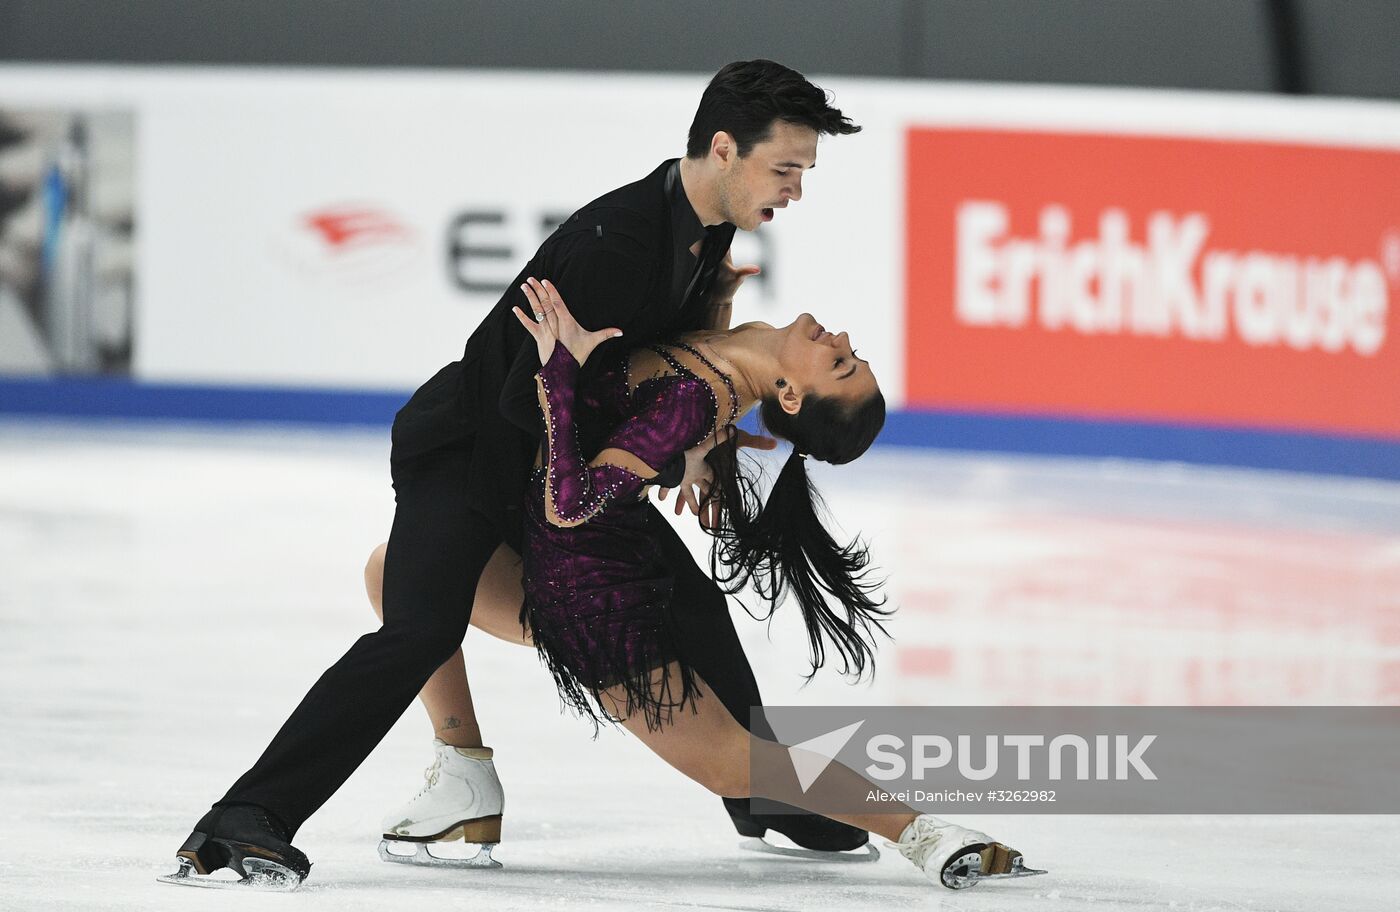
(1171, 283)
(1224, 283)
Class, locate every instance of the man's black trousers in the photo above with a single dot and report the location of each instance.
(438, 548)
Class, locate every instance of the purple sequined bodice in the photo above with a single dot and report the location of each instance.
(596, 586)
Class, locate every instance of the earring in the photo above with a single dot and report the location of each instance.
(781, 383)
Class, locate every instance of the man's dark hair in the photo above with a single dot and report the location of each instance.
(746, 97)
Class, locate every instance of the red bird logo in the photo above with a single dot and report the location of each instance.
(349, 227)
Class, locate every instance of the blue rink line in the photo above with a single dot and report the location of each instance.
(1260, 449)
(1248, 448)
(112, 398)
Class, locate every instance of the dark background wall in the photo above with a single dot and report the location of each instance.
(1332, 47)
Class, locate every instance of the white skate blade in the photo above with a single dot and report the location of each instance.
(973, 875)
(424, 858)
(865, 853)
(262, 875)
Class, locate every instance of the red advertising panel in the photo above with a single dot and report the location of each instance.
(1185, 280)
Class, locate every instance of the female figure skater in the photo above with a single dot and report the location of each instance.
(596, 590)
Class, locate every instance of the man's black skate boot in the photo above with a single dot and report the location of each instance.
(821, 836)
(247, 839)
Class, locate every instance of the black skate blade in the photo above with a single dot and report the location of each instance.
(423, 858)
(971, 879)
(1021, 872)
(262, 875)
(972, 875)
(762, 846)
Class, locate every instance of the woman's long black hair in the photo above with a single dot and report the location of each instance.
(781, 545)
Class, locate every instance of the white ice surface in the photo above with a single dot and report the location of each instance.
(167, 595)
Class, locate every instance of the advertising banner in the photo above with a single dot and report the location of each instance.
(1164, 275)
(347, 230)
(1223, 282)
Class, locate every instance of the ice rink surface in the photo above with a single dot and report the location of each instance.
(168, 594)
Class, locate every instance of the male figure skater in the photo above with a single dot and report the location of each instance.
(649, 258)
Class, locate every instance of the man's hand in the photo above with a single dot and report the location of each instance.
(728, 278)
(699, 478)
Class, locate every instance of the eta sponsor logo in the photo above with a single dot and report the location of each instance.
(1171, 284)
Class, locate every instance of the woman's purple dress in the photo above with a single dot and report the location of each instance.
(597, 589)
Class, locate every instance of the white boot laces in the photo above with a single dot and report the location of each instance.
(922, 841)
(431, 775)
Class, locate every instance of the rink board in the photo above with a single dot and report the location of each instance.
(310, 245)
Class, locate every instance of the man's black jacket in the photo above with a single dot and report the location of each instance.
(612, 262)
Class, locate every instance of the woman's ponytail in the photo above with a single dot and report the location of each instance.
(781, 546)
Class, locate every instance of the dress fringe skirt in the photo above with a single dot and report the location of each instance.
(612, 647)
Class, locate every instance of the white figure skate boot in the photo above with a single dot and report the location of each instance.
(462, 799)
(957, 857)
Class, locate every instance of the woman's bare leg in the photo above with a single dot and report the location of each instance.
(713, 749)
(447, 695)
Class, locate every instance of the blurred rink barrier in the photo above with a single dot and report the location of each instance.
(1099, 272)
(67, 214)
